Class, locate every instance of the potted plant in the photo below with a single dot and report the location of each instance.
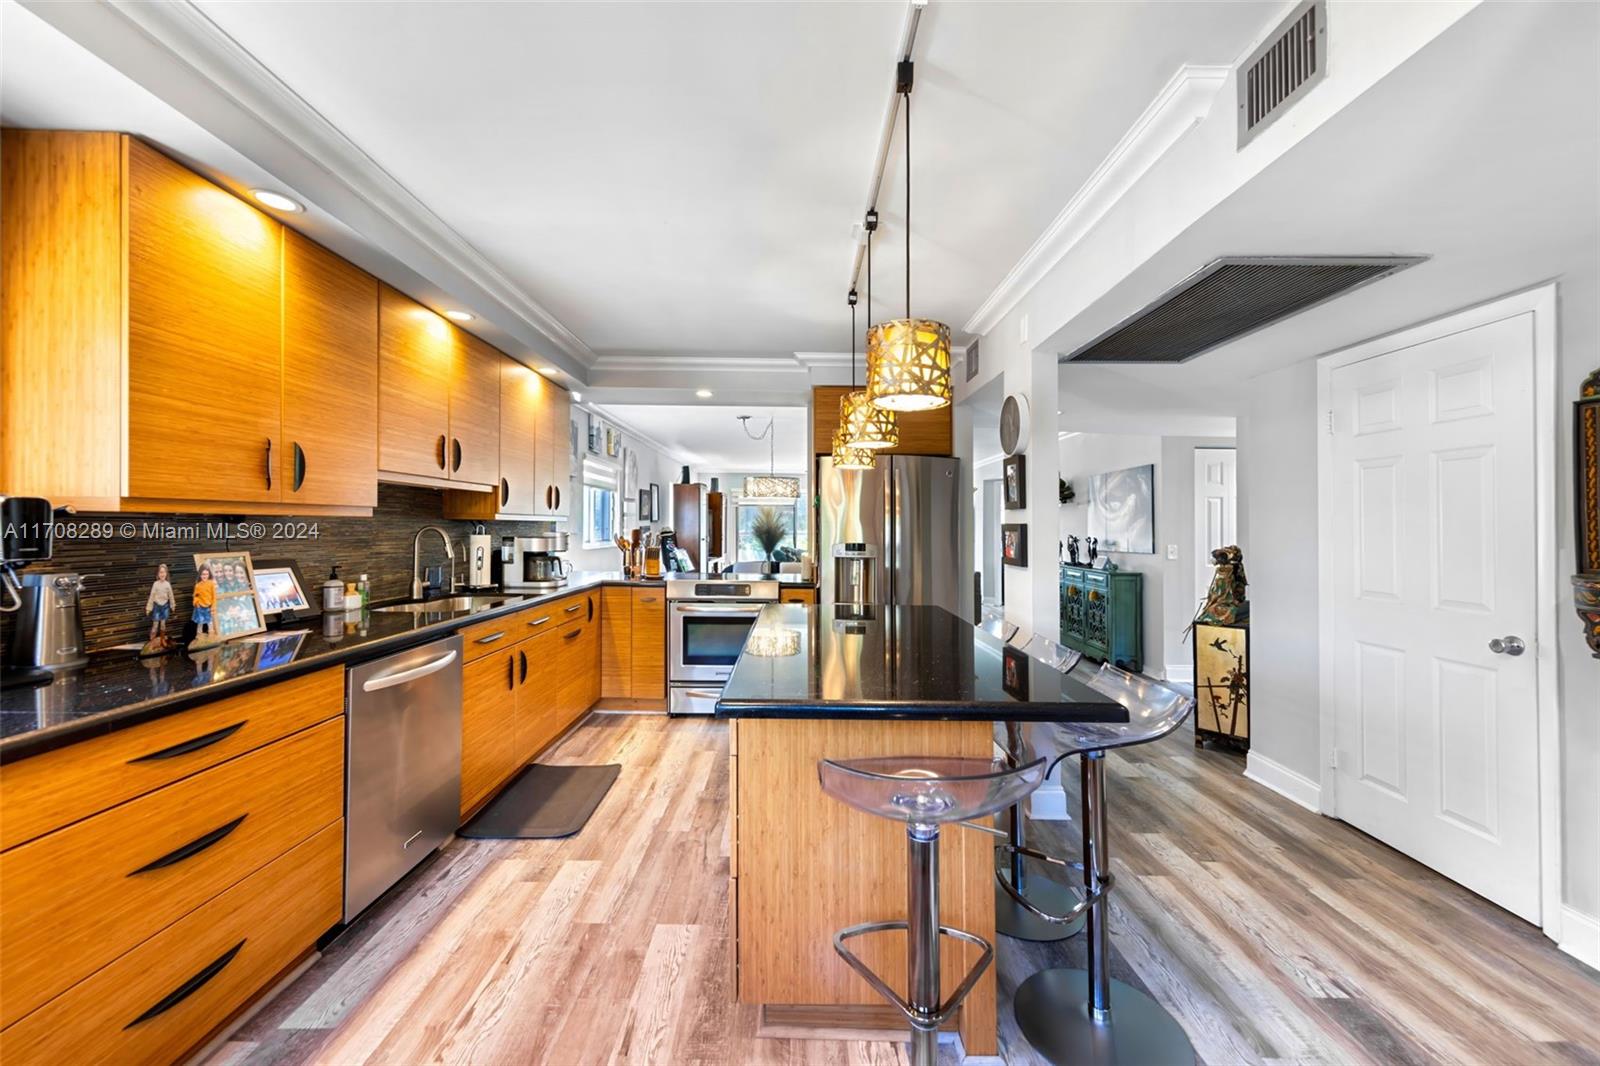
(769, 530)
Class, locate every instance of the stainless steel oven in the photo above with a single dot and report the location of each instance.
(707, 622)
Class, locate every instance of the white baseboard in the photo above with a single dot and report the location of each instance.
(1284, 781)
(1049, 803)
(1183, 672)
(1580, 936)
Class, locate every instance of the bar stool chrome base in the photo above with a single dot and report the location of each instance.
(1052, 1011)
(1013, 920)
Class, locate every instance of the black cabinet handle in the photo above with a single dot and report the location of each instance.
(505, 492)
(191, 849)
(203, 741)
(511, 671)
(524, 657)
(269, 462)
(591, 609)
(574, 635)
(455, 454)
(299, 466)
(558, 497)
(441, 451)
(189, 987)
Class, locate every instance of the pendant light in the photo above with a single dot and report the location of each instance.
(770, 486)
(865, 424)
(908, 359)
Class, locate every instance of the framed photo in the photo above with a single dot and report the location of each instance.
(1015, 484)
(655, 502)
(223, 603)
(1014, 672)
(1014, 544)
(281, 590)
(644, 506)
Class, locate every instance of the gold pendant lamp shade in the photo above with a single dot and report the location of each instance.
(867, 425)
(908, 365)
(908, 359)
(846, 457)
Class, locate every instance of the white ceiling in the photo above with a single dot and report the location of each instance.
(1495, 176)
(710, 438)
(682, 178)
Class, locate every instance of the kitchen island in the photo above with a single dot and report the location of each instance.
(852, 682)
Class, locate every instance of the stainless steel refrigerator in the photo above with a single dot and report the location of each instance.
(904, 512)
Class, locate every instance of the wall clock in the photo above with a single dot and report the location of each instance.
(1014, 424)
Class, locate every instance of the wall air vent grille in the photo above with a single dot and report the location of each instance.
(1229, 298)
(1292, 59)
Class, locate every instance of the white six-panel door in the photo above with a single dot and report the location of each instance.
(1433, 533)
(1216, 509)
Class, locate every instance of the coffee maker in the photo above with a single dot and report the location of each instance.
(535, 565)
(38, 640)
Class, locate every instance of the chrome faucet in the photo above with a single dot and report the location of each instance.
(416, 553)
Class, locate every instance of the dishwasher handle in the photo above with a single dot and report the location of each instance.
(400, 677)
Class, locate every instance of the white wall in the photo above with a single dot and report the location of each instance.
(1168, 583)
(655, 465)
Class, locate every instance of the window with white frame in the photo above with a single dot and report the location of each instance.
(600, 498)
(771, 516)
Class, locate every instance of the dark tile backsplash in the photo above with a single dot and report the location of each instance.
(380, 547)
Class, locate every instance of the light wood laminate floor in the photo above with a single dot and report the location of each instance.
(1273, 934)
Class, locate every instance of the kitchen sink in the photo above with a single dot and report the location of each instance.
(448, 605)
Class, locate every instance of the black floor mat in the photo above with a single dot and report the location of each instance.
(543, 802)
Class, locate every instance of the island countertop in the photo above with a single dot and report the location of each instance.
(903, 662)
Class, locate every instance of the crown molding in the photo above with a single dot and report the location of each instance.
(1181, 103)
(183, 34)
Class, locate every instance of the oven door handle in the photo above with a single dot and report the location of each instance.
(754, 608)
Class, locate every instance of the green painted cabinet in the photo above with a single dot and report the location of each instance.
(1102, 614)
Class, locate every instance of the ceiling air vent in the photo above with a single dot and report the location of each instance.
(1293, 58)
(1229, 298)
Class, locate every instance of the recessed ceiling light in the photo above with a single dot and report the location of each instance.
(704, 394)
(459, 316)
(276, 200)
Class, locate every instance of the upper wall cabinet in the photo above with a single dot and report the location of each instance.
(475, 413)
(438, 399)
(330, 377)
(535, 456)
(205, 309)
(142, 351)
(416, 358)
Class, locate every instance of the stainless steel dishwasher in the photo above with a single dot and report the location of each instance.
(402, 766)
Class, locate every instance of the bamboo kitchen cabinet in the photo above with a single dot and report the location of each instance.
(144, 338)
(534, 447)
(330, 377)
(159, 877)
(438, 399)
(633, 653)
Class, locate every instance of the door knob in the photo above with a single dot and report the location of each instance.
(1507, 646)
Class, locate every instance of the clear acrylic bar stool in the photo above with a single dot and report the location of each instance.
(924, 793)
(1083, 1017)
(1014, 918)
(995, 624)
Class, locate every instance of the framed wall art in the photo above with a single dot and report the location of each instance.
(1014, 544)
(1014, 484)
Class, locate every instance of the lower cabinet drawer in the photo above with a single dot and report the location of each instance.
(81, 896)
(163, 998)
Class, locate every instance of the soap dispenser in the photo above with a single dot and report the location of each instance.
(333, 591)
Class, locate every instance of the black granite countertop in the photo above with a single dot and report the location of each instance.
(897, 663)
(118, 689)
